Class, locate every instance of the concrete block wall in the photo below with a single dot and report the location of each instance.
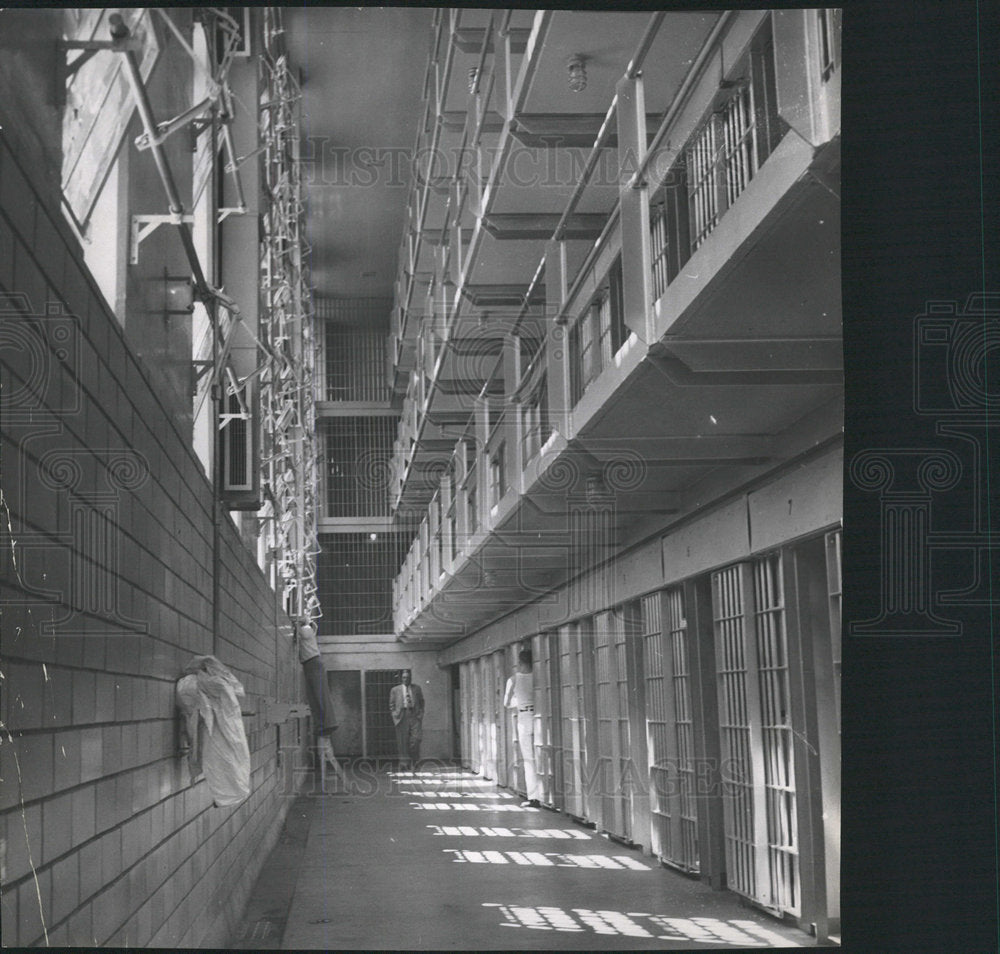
(106, 588)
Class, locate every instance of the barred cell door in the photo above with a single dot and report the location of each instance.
(754, 722)
(465, 710)
(779, 769)
(472, 675)
(608, 773)
(501, 669)
(489, 718)
(479, 741)
(545, 740)
(661, 775)
(512, 752)
(613, 778)
(572, 719)
(626, 625)
(673, 801)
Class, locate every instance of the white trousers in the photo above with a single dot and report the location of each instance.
(526, 742)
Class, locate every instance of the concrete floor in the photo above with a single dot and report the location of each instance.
(447, 861)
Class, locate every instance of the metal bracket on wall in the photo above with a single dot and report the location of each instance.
(276, 713)
(88, 49)
(144, 225)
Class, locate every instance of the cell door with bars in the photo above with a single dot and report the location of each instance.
(670, 721)
(776, 726)
(573, 725)
(476, 713)
(759, 805)
(465, 727)
(546, 741)
(514, 775)
(494, 718)
(613, 743)
(501, 718)
(488, 733)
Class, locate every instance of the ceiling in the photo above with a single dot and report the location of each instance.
(362, 72)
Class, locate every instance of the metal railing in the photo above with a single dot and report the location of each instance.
(714, 166)
(717, 162)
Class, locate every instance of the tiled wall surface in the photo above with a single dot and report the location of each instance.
(106, 576)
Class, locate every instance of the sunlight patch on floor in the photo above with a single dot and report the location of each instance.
(468, 807)
(547, 859)
(743, 933)
(470, 832)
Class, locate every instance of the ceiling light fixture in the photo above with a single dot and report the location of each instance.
(577, 73)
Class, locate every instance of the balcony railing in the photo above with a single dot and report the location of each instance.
(717, 162)
(719, 157)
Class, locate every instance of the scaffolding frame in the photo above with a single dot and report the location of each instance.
(287, 520)
(287, 332)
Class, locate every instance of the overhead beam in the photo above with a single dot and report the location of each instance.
(541, 225)
(499, 296)
(489, 325)
(470, 39)
(441, 236)
(448, 418)
(566, 130)
(598, 456)
(436, 446)
(681, 375)
(758, 354)
(454, 120)
(470, 385)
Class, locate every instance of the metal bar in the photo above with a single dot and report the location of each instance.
(680, 98)
(232, 167)
(530, 62)
(166, 129)
(634, 67)
(120, 31)
(88, 54)
(487, 40)
(168, 20)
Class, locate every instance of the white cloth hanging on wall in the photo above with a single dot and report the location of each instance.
(208, 696)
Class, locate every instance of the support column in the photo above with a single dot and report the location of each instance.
(557, 340)
(637, 280)
(448, 530)
(482, 461)
(512, 426)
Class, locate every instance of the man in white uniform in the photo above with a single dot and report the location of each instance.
(520, 696)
